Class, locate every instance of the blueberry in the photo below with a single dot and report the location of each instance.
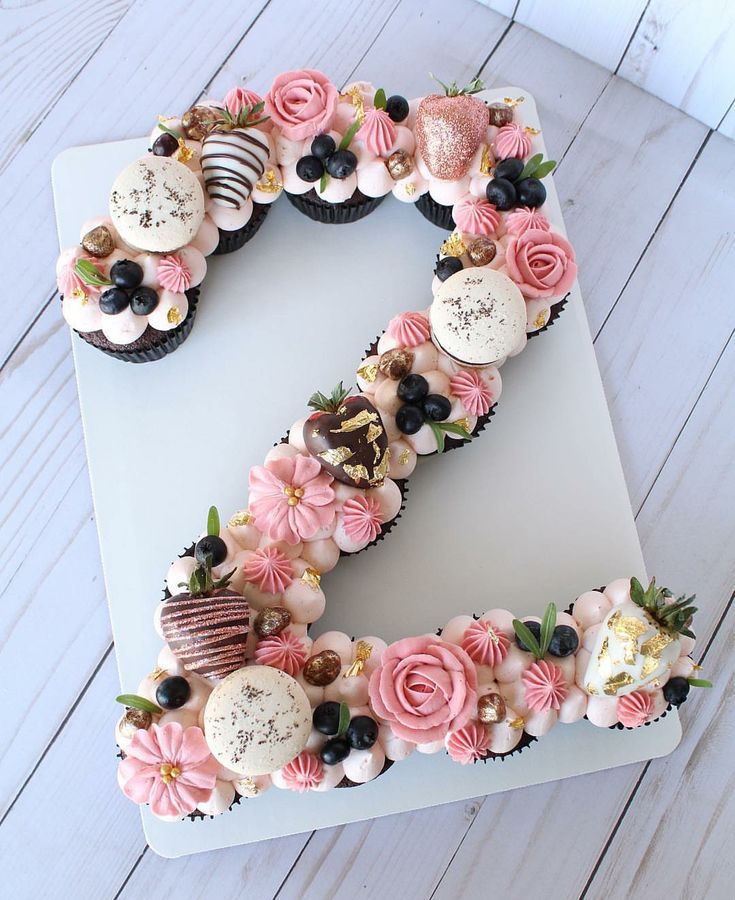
(409, 419)
(501, 193)
(210, 545)
(323, 146)
(535, 629)
(676, 690)
(341, 164)
(436, 407)
(334, 751)
(113, 301)
(530, 192)
(143, 301)
(326, 717)
(310, 168)
(126, 274)
(413, 388)
(564, 641)
(173, 692)
(509, 169)
(447, 267)
(362, 733)
(397, 107)
(165, 145)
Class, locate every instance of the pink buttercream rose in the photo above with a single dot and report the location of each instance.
(541, 263)
(302, 103)
(424, 687)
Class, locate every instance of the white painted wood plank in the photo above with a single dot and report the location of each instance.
(666, 332)
(616, 183)
(597, 29)
(684, 52)
(504, 7)
(727, 127)
(44, 45)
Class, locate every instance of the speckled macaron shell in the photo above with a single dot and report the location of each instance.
(156, 204)
(256, 720)
(478, 317)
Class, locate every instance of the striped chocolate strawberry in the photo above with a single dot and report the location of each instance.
(449, 129)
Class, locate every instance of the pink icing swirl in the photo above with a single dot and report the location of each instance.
(473, 215)
(424, 687)
(269, 569)
(634, 709)
(173, 274)
(285, 651)
(545, 686)
(541, 263)
(291, 498)
(523, 218)
(485, 644)
(410, 329)
(468, 744)
(302, 103)
(238, 99)
(377, 131)
(170, 768)
(362, 518)
(512, 141)
(303, 773)
(472, 392)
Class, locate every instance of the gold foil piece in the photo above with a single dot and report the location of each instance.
(464, 422)
(336, 456)
(404, 456)
(532, 131)
(517, 723)
(628, 629)
(368, 372)
(363, 418)
(241, 517)
(157, 673)
(410, 188)
(362, 655)
(270, 184)
(312, 578)
(356, 473)
(174, 316)
(373, 433)
(453, 246)
(487, 161)
(656, 645)
(509, 101)
(381, 470)
(540, 319)
(184, 153)
(79, 294)
(615, 682)
(650, 664)
(590, 688)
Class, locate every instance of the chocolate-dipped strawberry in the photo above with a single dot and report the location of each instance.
(232, 163)
(347, 436)
(206, 626)
(450, 128)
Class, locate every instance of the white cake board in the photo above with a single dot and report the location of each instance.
(534, 510)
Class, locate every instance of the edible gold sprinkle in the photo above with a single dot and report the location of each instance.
(464, 422)
(174, 315)
(511, 102)
(157, 673)
(362, 655)
(615, 682)
(184, 153)
(696, 668)
(336, 456)
(270, 184)
(486, 162)
(241, 517)
(363, 418)
(404, 457)
(532, 131)
(355, 97)
(312, 578)
(540, 319)
(79, 294)
(517, 723)
(453, 246)
(368, 372)
(410, 188)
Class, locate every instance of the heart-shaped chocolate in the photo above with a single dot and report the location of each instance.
(351, 443)
(208, 632)
(448, 133)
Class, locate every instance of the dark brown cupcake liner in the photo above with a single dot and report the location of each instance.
(229, 241)
(152, 344)
(346, 783)
(356, 207)
(436, 213)
(556, 310)
(525, 741)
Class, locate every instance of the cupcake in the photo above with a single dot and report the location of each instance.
(341, 155)
(131, 286)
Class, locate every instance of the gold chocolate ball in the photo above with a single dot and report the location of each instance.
(491, 709)
(323, 668)
(400, 164)
(500, 114)
(271, 620)
(396, 364)
(134, 719)
(198, 121)
(98, 242)
(482, 251)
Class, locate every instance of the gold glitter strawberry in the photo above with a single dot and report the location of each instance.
(449, 129)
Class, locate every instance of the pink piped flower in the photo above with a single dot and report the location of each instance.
(541, 263)
(302, 103)
(285, 651)
(239, 98)
(303, 773)
(512, 141)
(545, 686)
(634, 709)
(468, 744)
(173, 274)
(524, 218)
(169, 767)
(362, 518)
(410, 329)
(377, 131)
(473, 215)
(471, 391)
(485, 644)
(269, 569)
(291, 498)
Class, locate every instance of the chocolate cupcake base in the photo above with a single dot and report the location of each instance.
(357, 207)
(152, 344)
(436, 213)
(229, 241)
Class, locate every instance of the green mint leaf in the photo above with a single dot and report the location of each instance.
(213, 522)
(637, 593)
(453, 428)
(323, 181)
(699, 682)
(344, 719)
(438, 435)
(526, 635)
(533, 163)
(544, 169)
(379, 101)
(134, 701)
(349, 134)
(548, 624)
(90, 274)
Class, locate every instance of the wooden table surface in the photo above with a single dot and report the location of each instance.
(648, 198)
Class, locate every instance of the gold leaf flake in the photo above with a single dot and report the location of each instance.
(628, 629)
(615, 682)
(79, 294)
(517, 723)
(184, 153)
(241, 517)
(453, 246)
(356, 473)
(174, 315)
(404, 456)
(368, 372)
(650, 664)
(312, 578)
(590, 688)
(511, 102)
(381, 470)
(355, 97)
(270, 184)
(656, 645)
(363, 418)
(373, 433)
(157, 673)
(336, 456)
(540, 319)
(463, 423)
(532, 131)
(410, 188)
(362, 655)
(486, 162)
